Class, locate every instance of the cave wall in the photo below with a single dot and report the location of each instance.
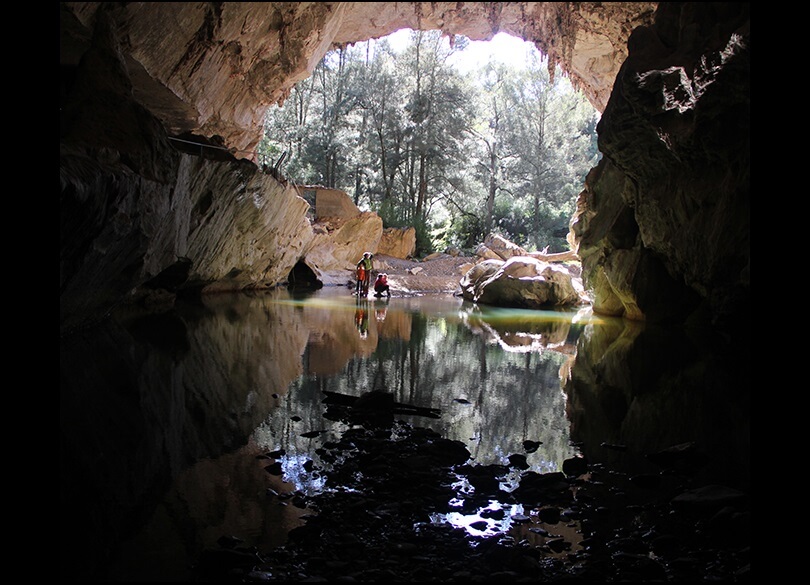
(215, 226)
(663, 222)
(662, 225)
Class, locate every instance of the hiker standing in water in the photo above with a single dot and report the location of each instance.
(364, 268)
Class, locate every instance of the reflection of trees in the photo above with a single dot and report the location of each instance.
(510, 396)
(150, 397)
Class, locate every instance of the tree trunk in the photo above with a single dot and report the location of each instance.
(422, 190)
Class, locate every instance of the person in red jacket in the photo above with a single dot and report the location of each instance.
(381, 285)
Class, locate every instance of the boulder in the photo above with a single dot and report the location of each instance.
(330, 203)
(485, 253)
(333, 252)
(398, 242)
(522, 281)
(502, 247)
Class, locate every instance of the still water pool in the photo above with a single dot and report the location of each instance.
(166, 419)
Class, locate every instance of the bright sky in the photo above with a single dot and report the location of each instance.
(502, 47)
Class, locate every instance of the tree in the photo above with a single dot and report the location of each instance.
(440, 110)
(548, 149)
(455, 156)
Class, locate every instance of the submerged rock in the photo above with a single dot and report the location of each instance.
(380, 518)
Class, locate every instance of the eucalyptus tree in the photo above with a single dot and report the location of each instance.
(439, 112)
(470, 205)
(550, 143)
(316, 124)
(286, 132)
(533, 143)
(338, 97)
(383, 133)
(489, 134)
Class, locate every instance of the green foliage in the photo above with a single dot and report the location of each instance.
(390, 215)
(453, 155)
(424, 243)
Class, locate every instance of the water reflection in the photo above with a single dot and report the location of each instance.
(638, 390)
(165, 421)
(437, 353)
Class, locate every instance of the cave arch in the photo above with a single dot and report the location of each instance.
(302, 277)
(671, 80)
(214, 69)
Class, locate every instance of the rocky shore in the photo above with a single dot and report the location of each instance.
(439, 274)
(388, 482)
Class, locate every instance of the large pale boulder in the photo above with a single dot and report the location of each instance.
(484, 253)
(481, 272)
(398, 242)
(522, 281)
(334, 250)
(329, 203)
(502, 247)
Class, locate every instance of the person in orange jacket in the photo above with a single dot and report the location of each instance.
(364, 268)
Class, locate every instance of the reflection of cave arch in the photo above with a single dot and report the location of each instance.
(302, 276)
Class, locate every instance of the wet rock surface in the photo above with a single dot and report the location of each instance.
(388, 483)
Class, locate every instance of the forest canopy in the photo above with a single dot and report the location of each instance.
(503, 148)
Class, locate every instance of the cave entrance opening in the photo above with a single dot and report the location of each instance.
(303, 277)
(458, 140)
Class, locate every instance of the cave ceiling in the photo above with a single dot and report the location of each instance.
(213, 69)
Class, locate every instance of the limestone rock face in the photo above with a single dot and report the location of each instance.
(217, 225)
(662, 226)
(521, 282)
(269, 220)
(334, 252)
